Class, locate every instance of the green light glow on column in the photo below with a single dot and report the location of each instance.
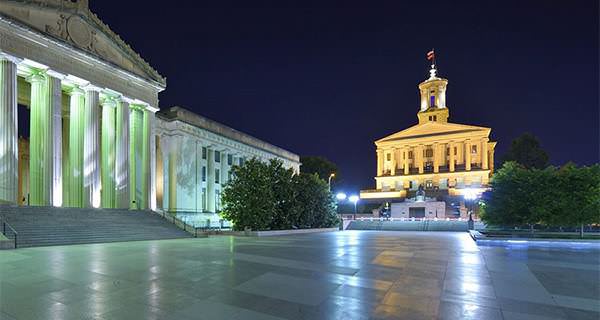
(8, 132)
(122, 156)
(40, 142)
(108, 153)
(135, 156)
(146, 159)
(76, 125)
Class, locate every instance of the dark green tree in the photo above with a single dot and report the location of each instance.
(266, 196)
(248, 198)
(319, 165)
(527, 151)
(579, 201)
(314, 205)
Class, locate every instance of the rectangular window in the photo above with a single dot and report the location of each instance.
(473, 149)
(217, 176)
(429, 153)
(447, 151)
(434, 118)
(203, 173)
(389, 157)
(432, 101)
(217, 156)
(242, 161)
(455, 150)
(230, 159)
(204, 153)
(410, 154)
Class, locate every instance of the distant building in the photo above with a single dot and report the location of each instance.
(447, 159)
(195, 156)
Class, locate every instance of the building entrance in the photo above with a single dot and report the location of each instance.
(418, 212)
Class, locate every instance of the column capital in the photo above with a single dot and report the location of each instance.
(36, 76)
(56, 74)
(110, 102)
(75, 91)
(91, 87)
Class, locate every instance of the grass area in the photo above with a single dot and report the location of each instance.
(541, 235)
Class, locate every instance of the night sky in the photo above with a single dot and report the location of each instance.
(329, 79)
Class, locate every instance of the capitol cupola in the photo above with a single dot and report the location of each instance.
(433, 96)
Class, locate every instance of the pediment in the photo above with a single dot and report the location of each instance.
(74, 24)
(430, 129)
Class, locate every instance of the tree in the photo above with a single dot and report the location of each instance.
(319, 165)
(579, 202)
(526, 151)
(248, 198)
(314, 204)
(267, 196)
(507, 204)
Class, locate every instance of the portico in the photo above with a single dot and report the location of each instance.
(86, 101)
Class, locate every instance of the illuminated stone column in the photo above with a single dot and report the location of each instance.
(74, 194)
(379, 163)
(406, 165)
(419, 158)
(8, 130)
(210, 179)
(136, 124)
(40, 140)
(122, 155)
(108, 154)
(152, 187)
(436, 157)
(147, 152)
(393, 169)
(467, 155)
(452, 156)
(484, 153)
(55, 96)
(91, 148)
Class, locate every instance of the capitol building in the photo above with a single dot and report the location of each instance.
(81, 125)
(446, 160)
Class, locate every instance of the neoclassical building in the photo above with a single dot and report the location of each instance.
(445, 158)
(195, 156)
(79, 125)
(85, 103)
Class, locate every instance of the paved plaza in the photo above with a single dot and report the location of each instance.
(339, 275)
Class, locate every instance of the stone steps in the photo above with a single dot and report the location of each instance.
(46, 226)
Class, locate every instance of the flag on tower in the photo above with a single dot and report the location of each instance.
(431, 55)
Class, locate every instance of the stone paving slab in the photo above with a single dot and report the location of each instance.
(337, 275)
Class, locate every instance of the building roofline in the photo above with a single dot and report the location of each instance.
(178, 113)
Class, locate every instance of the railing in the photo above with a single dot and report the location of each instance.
(192, 229)
(5, 227)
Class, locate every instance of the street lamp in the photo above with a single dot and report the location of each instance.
(329, 180)
(354, 199)
(470, 196)
(340, 196)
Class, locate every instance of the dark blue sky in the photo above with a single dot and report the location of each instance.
(330, 78)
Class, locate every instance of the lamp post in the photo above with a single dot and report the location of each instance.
(329, 180)
(354, 199)
(470, 196)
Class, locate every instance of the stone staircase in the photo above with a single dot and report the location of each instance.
(49, 226)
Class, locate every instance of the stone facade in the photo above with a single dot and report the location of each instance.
(441, 156)
(195, 156)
